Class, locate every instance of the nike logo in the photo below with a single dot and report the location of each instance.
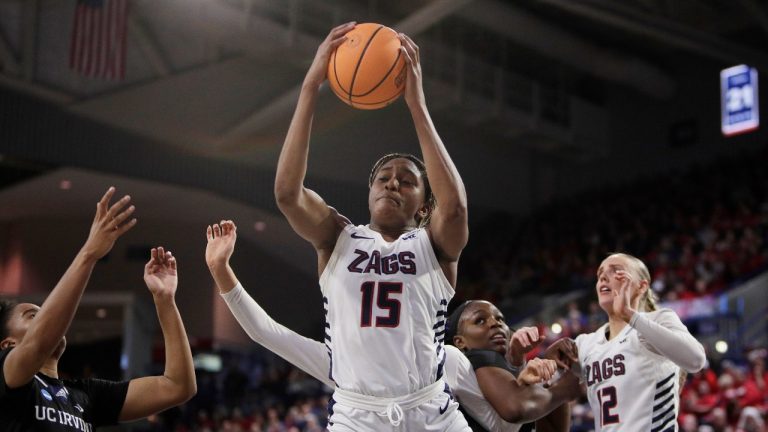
(445, 408)
(355, 236)
(623, 340)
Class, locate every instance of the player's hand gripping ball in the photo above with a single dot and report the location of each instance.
(368, 70)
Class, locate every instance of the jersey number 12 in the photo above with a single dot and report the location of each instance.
(607, 398)
(383, 301)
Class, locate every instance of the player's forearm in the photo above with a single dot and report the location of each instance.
(179, 368)
(559, 420)
(443, 176)
(541, 401)
(292, 164)
(538, 401)
(671, 340)
(308, 355)
(224, 276)
(57, 311)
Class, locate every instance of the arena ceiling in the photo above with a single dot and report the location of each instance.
(221, 77)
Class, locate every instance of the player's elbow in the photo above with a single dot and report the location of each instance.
(513, 412)
(698, 362)
(183, 393)
(285, 195)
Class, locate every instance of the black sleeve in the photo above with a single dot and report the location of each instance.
(487, 358)
(3, 387)
(4, 390)
(106, 398)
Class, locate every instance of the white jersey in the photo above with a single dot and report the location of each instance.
(460, 375)
(385, 306)
(632, 384)
(311, 356)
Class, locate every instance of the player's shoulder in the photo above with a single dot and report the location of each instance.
(662, 315)
(355, 233)
(455, 358)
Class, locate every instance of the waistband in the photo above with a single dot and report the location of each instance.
(393, 407)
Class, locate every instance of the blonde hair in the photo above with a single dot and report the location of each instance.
(639, 269)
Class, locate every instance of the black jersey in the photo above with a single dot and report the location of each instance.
(48, 404)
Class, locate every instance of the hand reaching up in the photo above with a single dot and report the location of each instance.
(109, 223)
(221, 243)
(160, 273)
(523, 341)
(317, 72)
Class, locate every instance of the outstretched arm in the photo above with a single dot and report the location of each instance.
(668, 336)
(52, 321)
(309, 355)
(149, 395)
(305, 210)
(520, 401)
(448, 227)
(559, 420)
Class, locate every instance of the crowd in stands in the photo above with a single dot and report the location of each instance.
(255, 392)
(699, 231)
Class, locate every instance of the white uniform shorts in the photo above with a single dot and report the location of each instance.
(430, 409)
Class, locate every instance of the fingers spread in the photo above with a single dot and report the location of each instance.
(122, 229)
(104, 201)
(115, 209)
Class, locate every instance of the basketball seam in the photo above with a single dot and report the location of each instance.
(336, 75)
(385, 101)
(360, 60)
(384, 78)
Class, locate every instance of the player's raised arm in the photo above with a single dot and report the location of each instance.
(305, 210)
(49, 324)
(308, 355)
(152, 394)
(448, 225)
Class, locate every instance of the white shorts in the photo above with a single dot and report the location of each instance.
(439, 413)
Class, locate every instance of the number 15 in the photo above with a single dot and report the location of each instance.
(383, 301)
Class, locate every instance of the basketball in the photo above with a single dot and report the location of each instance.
(368, 71)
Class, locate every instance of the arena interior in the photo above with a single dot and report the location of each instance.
(579, 128)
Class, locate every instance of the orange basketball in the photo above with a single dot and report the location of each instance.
(368, 71)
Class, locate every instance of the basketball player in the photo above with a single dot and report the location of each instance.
(478, 329)
(386, 285)
(33, 398)
(523, 401)
(631, 365)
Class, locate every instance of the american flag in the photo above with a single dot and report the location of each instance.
(98, 40)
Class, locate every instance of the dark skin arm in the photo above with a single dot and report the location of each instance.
(152, 394)
(564, 353)
(306, 211)
(448, 228)
(558, 420)
(519, 401)
(52, 321)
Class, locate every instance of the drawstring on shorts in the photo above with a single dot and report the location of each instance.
(394, 413)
